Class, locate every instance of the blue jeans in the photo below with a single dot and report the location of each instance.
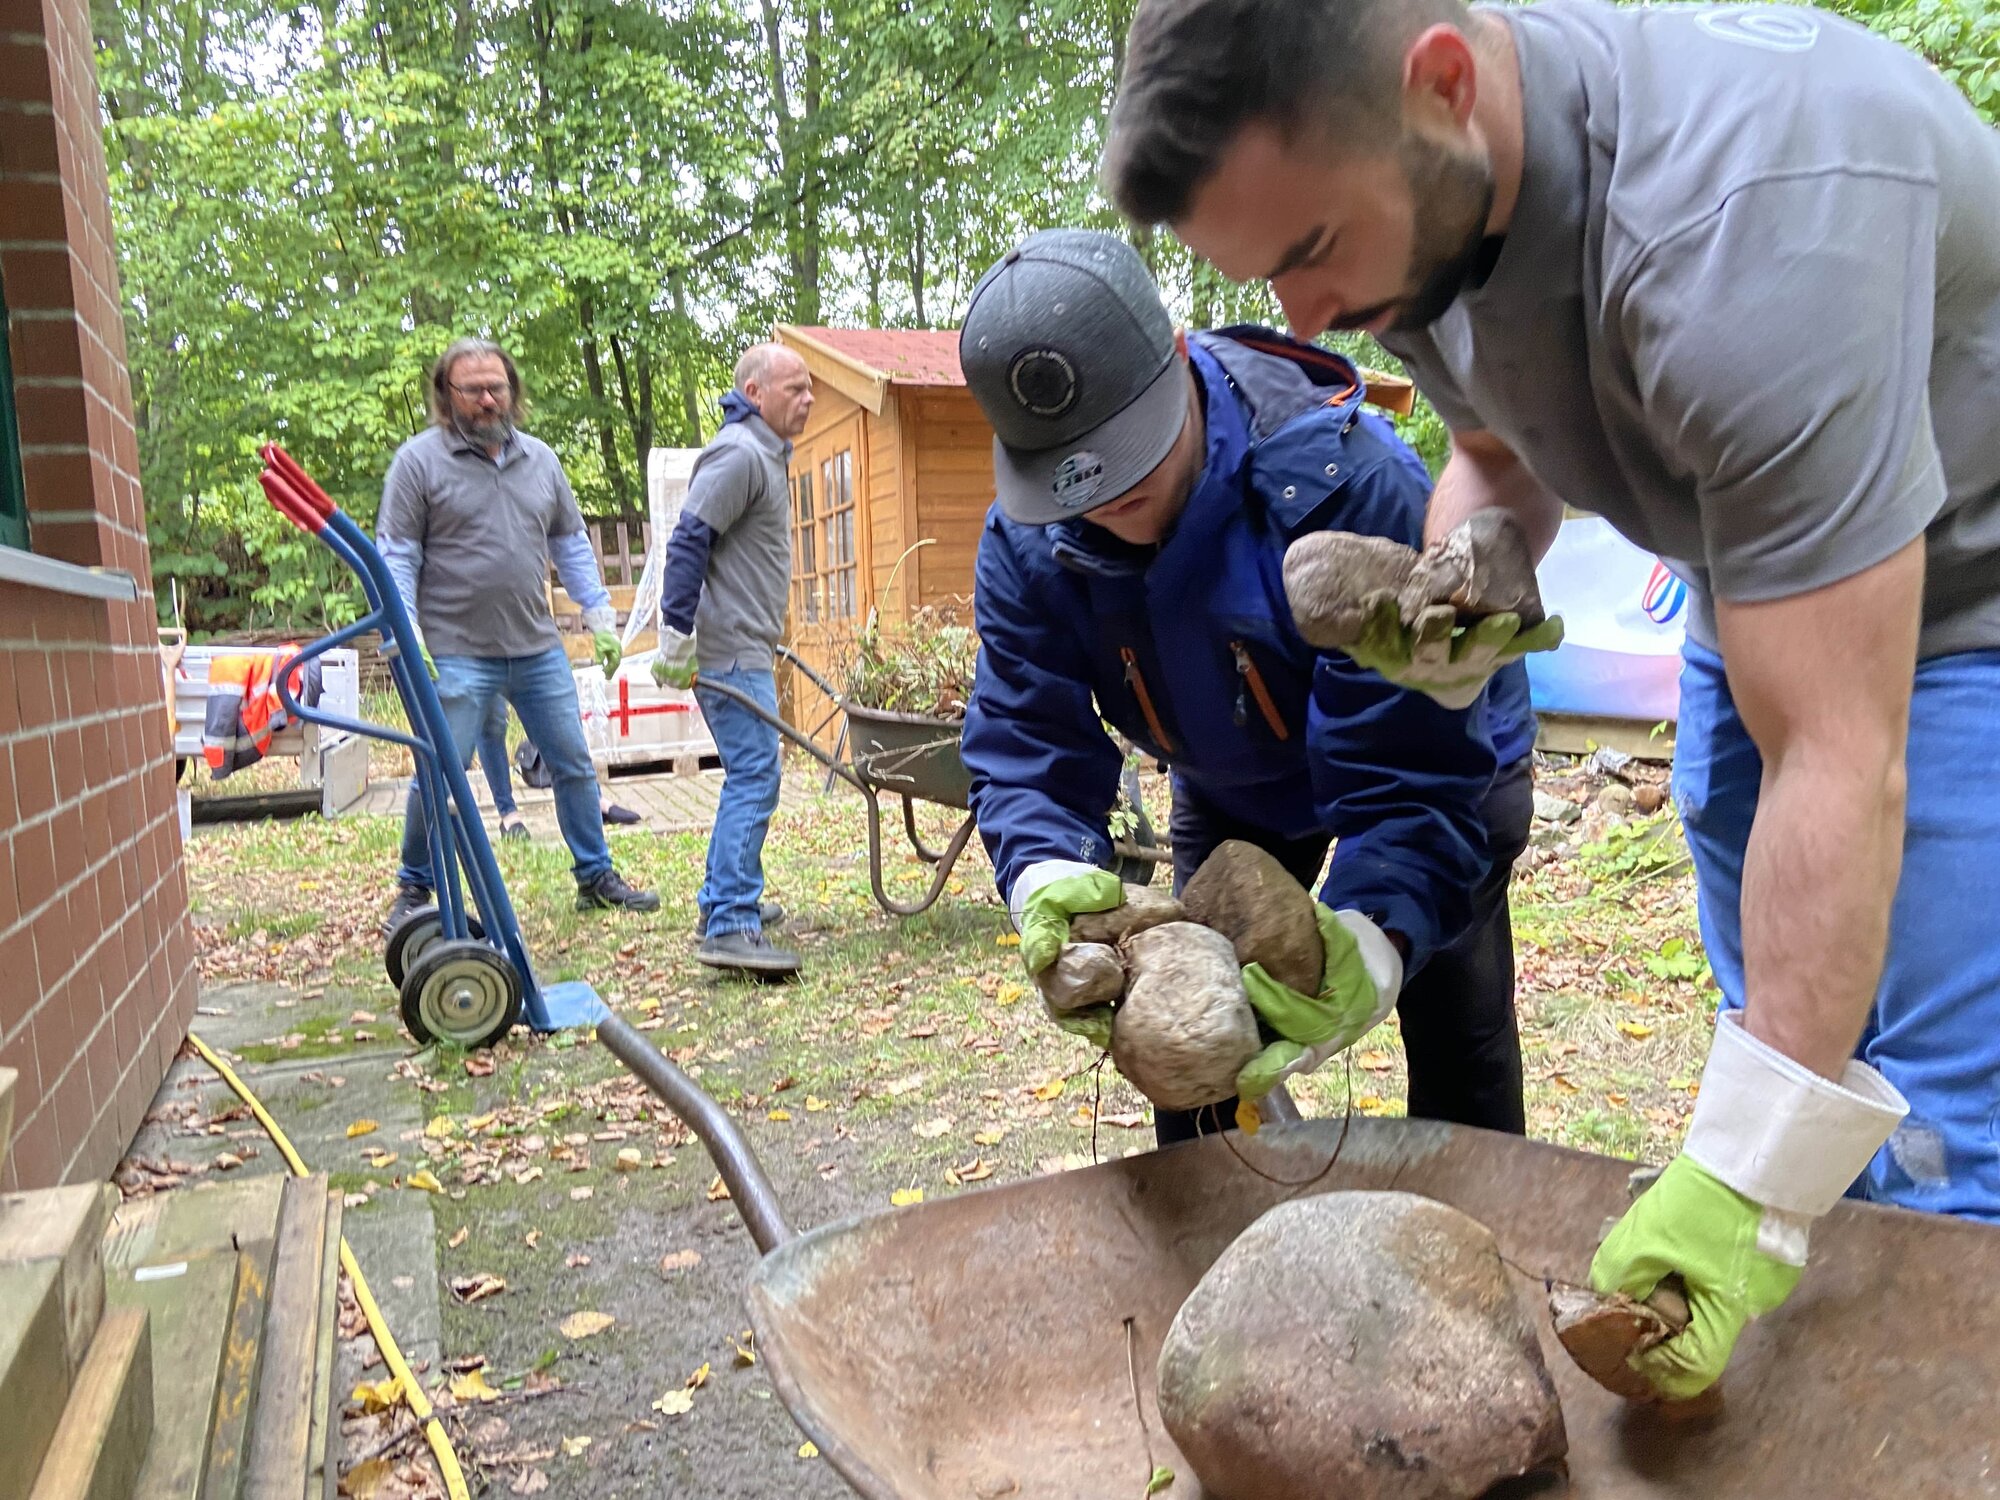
(493, 761)
(1935, 1030)
(544, 695)
(750, 775)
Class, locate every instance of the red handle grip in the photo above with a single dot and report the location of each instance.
(288, 503)
(303, 488)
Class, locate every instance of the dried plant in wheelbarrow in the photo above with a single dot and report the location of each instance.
(923, 667)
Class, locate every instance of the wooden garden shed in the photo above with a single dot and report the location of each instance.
(896, 453)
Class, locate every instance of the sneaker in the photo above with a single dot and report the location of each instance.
(769, 915)
(515, 832)
(747, 952)
(613, 813)
(409, 898)
(610, 890)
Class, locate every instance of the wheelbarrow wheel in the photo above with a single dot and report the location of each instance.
(461, 991)
(411, 936)
(1139, 871)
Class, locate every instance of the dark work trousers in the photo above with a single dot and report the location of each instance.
(1457, 1011)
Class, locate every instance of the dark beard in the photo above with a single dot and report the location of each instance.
(1454, 199)
(496, 431)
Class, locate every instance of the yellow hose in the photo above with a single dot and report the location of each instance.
(413, 1394)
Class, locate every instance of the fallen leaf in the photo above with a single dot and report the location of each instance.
(362, 1127)
(381, 1396)
(976, 1170)
(699, 1379)
(1375, 1062)
(1370, 1104)
(423, 1180)
(814, 1104)
(991, 1137)
(746, 1355)
(364, 1480)
(904, 1197)
(576, 1260)
(679, 1261)
(583, 1325)
(574, 1446)
(675, 1403)
(1128, 1121)
(364, 1036)
(360, 1017)
(1163, 1478)
(1008, 940)
(629, 1159)
(1562, 1083)
(718, 1190)
(439, 1127)
(1010, 994)
(902, 1086)
(1051, 1090)
(1617, 1100)
(1635, 1030)
(472, 1386)
(810, 1449)
(226, 1161)
(779, 1115)
(930, 1130)
(464, 1233)
(480, 1122)
(377, 1158)
(528, 1481)
(526, 1176)
(471, 1289)
(480, 1067)
(578, 1194)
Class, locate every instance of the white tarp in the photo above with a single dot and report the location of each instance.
(1624, 617)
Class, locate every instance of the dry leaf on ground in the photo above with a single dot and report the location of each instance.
(470, 1289)
(362, 1127)
(678, 1261)
(583, 1325)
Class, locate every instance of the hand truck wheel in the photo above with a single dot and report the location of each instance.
(411, 936)
(462, 991)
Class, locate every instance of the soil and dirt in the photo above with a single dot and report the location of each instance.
(1246, 895)
(1186, 1028)
(1144, 906)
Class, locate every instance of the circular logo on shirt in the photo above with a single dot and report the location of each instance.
(1773, 30)
(1665, 595)
(1043, 381)
(1077, 479)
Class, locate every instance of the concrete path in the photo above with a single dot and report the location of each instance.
(667, 804)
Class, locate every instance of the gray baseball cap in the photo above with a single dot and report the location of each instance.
(1069, 351)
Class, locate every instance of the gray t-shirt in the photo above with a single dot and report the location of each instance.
(740, 489)
(1748, 307)
(484, 526)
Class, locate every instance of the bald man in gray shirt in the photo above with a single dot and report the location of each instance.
(1729, 275)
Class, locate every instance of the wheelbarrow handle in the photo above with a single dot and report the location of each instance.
(742, 1173)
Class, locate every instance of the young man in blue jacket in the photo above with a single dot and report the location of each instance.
(1131, 573)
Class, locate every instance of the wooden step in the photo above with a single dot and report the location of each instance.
(189, 1302)
(101, 1444)
(64, 1226)
(34, 1369)
(281, 1421)
(8, 1077)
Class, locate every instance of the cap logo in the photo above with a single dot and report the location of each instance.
(1043, 381)
(1077, 479)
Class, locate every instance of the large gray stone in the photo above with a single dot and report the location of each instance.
(1362, 1345)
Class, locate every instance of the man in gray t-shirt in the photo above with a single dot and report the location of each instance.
(722, 611)
(1730, 276)
(472, 513)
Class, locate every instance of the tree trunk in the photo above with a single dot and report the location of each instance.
(593, 373)
(690, 394)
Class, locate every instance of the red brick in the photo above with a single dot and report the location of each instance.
(66, 745)
(51, 414)
(46, 348)
(20, 988)
(35, 1159)
(97, 838)
(66, 833)
(75, 1112)
(34, 776)
(27, 145)
(24, 75)
(34, 866)
(96, 751)
(32, 695)
(10, 713)
(38, 280)
(10, 901)
(57, 481)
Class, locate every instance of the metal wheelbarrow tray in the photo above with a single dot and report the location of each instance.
(975, 1348)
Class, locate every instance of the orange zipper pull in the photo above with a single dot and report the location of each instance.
(1136, 681)
(1254, 680)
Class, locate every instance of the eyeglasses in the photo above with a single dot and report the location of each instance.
(474, 392)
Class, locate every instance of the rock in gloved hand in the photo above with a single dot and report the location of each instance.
(1084, 974)
(1142, 907)
(1246, 895)
(1365, 1345)
(1483, 567)
(1186, 1028)
(1335, 579)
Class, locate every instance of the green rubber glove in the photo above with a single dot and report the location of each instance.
(424, 655)
(1358, 987)
(605, 647)
(1689, 1223)
(673, 663)
(1045, 914)
(1437, 659)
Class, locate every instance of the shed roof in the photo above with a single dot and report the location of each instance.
(906, 356)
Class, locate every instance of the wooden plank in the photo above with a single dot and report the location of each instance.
(188, 1302)
(65, 1226)
(281, 1416)
(101, 1445)
(8, 1078)
(34, 1370)
(1579, 734)
(226, 1216)
(237, 1384)
(323, 1475)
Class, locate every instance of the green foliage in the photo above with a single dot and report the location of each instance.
(1635, 850)
(1677, 959)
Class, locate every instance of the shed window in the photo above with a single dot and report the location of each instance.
(805, 564)
(837, 517)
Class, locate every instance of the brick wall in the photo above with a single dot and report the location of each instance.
(97, 979)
